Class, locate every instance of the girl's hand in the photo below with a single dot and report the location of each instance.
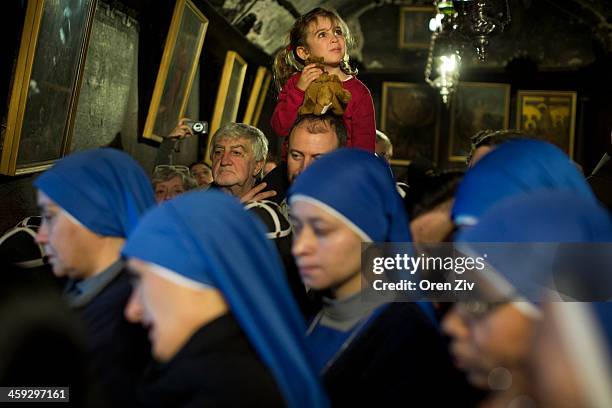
(309, 74)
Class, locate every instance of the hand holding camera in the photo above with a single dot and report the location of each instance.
(197, 126)
(187, 127)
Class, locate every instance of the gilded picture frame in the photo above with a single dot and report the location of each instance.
(257, 98)
(228, 94)
(410, 118)
(45, 86)
(177, 70)
(548, 115)
(476, 106)
(414, 30)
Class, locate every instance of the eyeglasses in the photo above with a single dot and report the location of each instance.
(173, 167)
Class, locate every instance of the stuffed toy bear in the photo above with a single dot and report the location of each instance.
(324, 94)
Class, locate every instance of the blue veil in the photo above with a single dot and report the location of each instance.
(544, 238)
(104, 189)
(209, 238)
(513, 168)
(356, 187)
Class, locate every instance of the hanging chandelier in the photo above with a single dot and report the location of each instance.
(479, 20)
(444, 57)
(457, 22)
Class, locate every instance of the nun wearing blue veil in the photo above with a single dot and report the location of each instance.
(513, 168)
(222, 321)
(368, 351)
(90, 201)
(540, 246)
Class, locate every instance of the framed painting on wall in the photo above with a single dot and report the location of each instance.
(414, 30)
(101, 111)
(476, 106)
(410, 117)
(258, 96)
(46, 84)
(228, 95)
(177, 70)
(548, 115)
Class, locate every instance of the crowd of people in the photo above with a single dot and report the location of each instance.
(222, 283)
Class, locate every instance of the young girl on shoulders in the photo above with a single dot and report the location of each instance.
(321, 33)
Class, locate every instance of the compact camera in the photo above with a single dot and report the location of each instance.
(197, 126)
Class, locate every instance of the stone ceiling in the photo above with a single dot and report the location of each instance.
(266, 22)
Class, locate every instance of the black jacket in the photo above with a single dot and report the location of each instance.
(278, 181)
(216, 368)
(119, 351)
(400, 359)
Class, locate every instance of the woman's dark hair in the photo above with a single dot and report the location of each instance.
(431, 191)
(489, 137)
(199, 162)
